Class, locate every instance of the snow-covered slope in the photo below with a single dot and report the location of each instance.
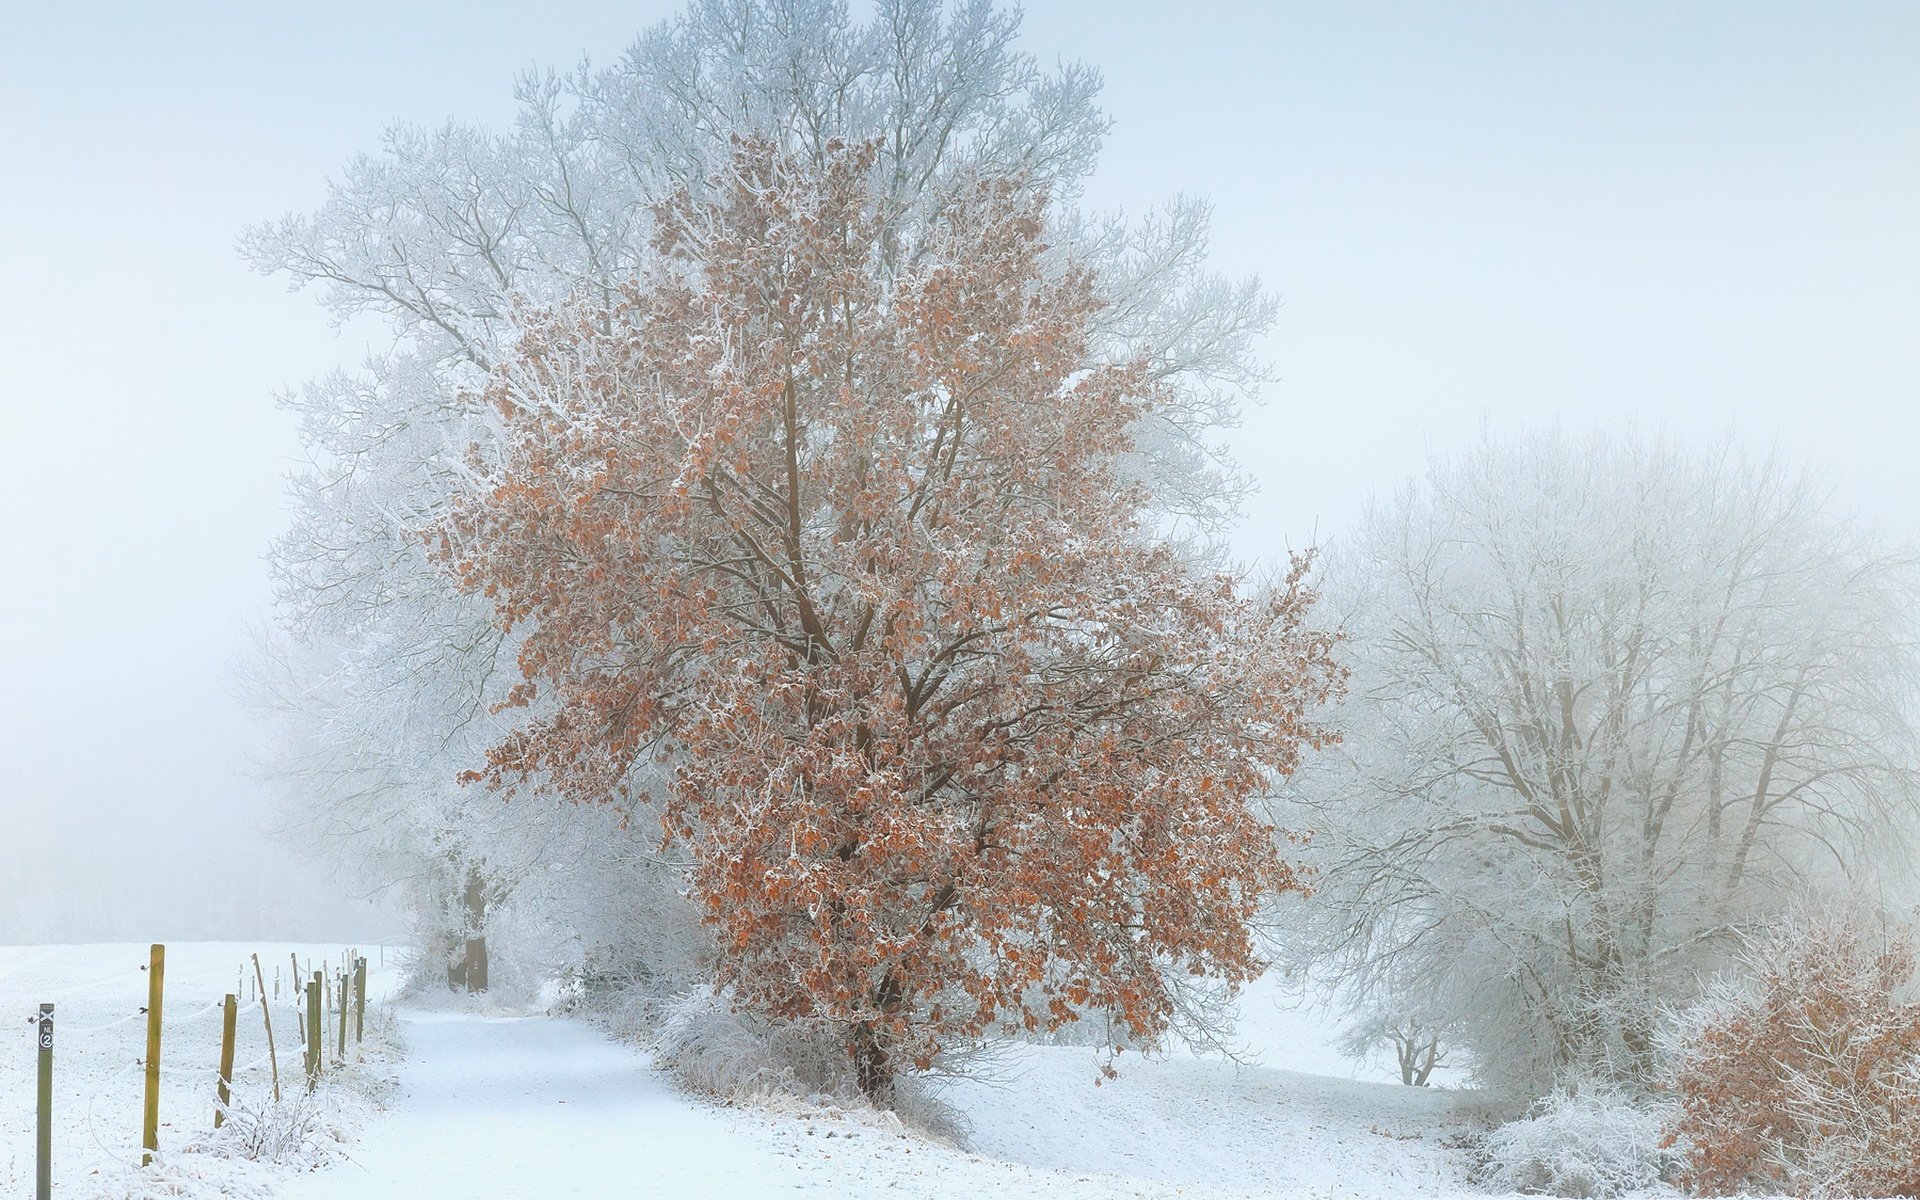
(1206, 1121)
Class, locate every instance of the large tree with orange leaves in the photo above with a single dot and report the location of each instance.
(957, 741)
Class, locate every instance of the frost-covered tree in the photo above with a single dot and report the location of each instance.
(1417, 1043)
(1612, 702)
(958, 742)
(370, 780)
(449, 230)
(452, 233)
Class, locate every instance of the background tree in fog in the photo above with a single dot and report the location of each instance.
(448, 233)
(1419, 1045)
(1612, 702)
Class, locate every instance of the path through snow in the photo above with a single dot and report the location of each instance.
(540, 1107)
(535, 1106)
(530, 1106)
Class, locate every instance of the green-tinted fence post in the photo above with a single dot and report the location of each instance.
(340, 1022)
(43, 1141)
(359, 1001)
(156, 989)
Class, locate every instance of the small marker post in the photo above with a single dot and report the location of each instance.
(43, 1140)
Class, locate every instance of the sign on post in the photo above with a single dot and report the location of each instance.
(43, 1143)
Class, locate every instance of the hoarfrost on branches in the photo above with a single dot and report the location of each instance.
(456, 234)
(1612, 703)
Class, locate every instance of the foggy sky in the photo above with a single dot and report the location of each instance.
(1695, 218)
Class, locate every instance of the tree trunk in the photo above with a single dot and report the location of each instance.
(871, 1069)
(1405, 1051)
(872, 1065)
(1425, 1069)
(1416, 1057)
(476, 964)
(469, 971)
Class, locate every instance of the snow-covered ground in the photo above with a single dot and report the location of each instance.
(509, 1105)
(100, 1037)
(536, 1106)
(1200, 1123)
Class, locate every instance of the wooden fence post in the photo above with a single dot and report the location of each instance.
(266, 1014)
(229, 1015)
(156, 990)
(43, 1138)
(313, 1032)
(340, 1021)
(359, 1001)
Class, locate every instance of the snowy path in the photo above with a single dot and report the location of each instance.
(530, 1106)
(513, 1107)
(537, 1107)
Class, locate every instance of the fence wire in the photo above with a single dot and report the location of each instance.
(96, 1092)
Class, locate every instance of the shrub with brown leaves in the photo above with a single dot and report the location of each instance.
(1806, 1077)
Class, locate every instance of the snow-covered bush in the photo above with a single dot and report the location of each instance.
(1595, 1141)
(738, 1057)
(713, 1048)
(1802, 1074)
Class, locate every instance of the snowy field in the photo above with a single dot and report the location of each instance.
(508, 1104)
(100, 1037)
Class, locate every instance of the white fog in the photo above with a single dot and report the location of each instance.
(1542, 257)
